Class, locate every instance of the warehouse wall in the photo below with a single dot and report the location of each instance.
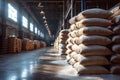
(12, 28)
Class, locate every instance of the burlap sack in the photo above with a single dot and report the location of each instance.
(116, 48)
(73, 54)
(115, 14)
(69, 46)
(72, 61)
(73, 27)
(116, 39)
(75, 32)
(91, 60)
(62, 46)
(115, 70)
(64, 38)
(94, 30)
(94, 50)
(116, 19)
(71, 35)
(92, 40)
(68, 58)
(64, 31)
(72, 20)
(63, 35)
(68, 51)
(75, 48)
(61, 41)
(69, 41)
(116, 29)
(64, 52)
(115, 59)
(90, 69)
(93, 22)
(94, 13)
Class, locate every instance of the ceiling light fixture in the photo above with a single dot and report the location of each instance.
(42, 13)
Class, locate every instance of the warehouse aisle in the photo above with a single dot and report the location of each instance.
(42, 64)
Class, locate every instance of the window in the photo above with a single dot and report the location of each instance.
(12, 13)
(36, 30)
(42, 35)
(39, 32)
(24, 22)
(31, 27)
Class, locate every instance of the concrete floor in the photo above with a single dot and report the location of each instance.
(42, 64)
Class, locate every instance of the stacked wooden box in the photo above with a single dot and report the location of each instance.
(19, 45)
(30, 45)
(36, 44)
(89, 40)
(4, 46)
(43, 44)
(27, 44)
(12, 45)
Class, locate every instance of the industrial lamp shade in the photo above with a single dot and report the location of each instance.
(44, 17)
(42, 12)
(45, 21)
(46, 24)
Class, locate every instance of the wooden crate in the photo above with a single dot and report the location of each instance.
(12, 45)
(4, 46)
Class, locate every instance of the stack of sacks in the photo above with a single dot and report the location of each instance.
(43, 44)
(12, 44)
(63, 36)
(27, 44)
(70, 53)
(91, 41)
(36, 44)
(56, 44)
(5, 46)
(115, 59)
(31, 45)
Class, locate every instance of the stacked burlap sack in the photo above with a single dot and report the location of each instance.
(115, 58)
(56, 44)
(70, 43)
(63, 36)
(90, 40)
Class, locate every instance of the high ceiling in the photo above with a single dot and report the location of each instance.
(55, 9)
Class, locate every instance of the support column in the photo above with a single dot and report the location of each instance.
(29, 33)
(72, 8)
(20, 21)
(3, 24)
(63, 15)
(4, 15)
(83, 5)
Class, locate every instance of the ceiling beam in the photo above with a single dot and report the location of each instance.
(44, 1)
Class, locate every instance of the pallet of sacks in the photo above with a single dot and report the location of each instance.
(11, 45)
(88, 42)
(31, 45)
(62, 38)
(19, 45)
(4, 47)
(27, 44)
(115, 58)
(43, 44)
(36, 44)
(14, 45)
